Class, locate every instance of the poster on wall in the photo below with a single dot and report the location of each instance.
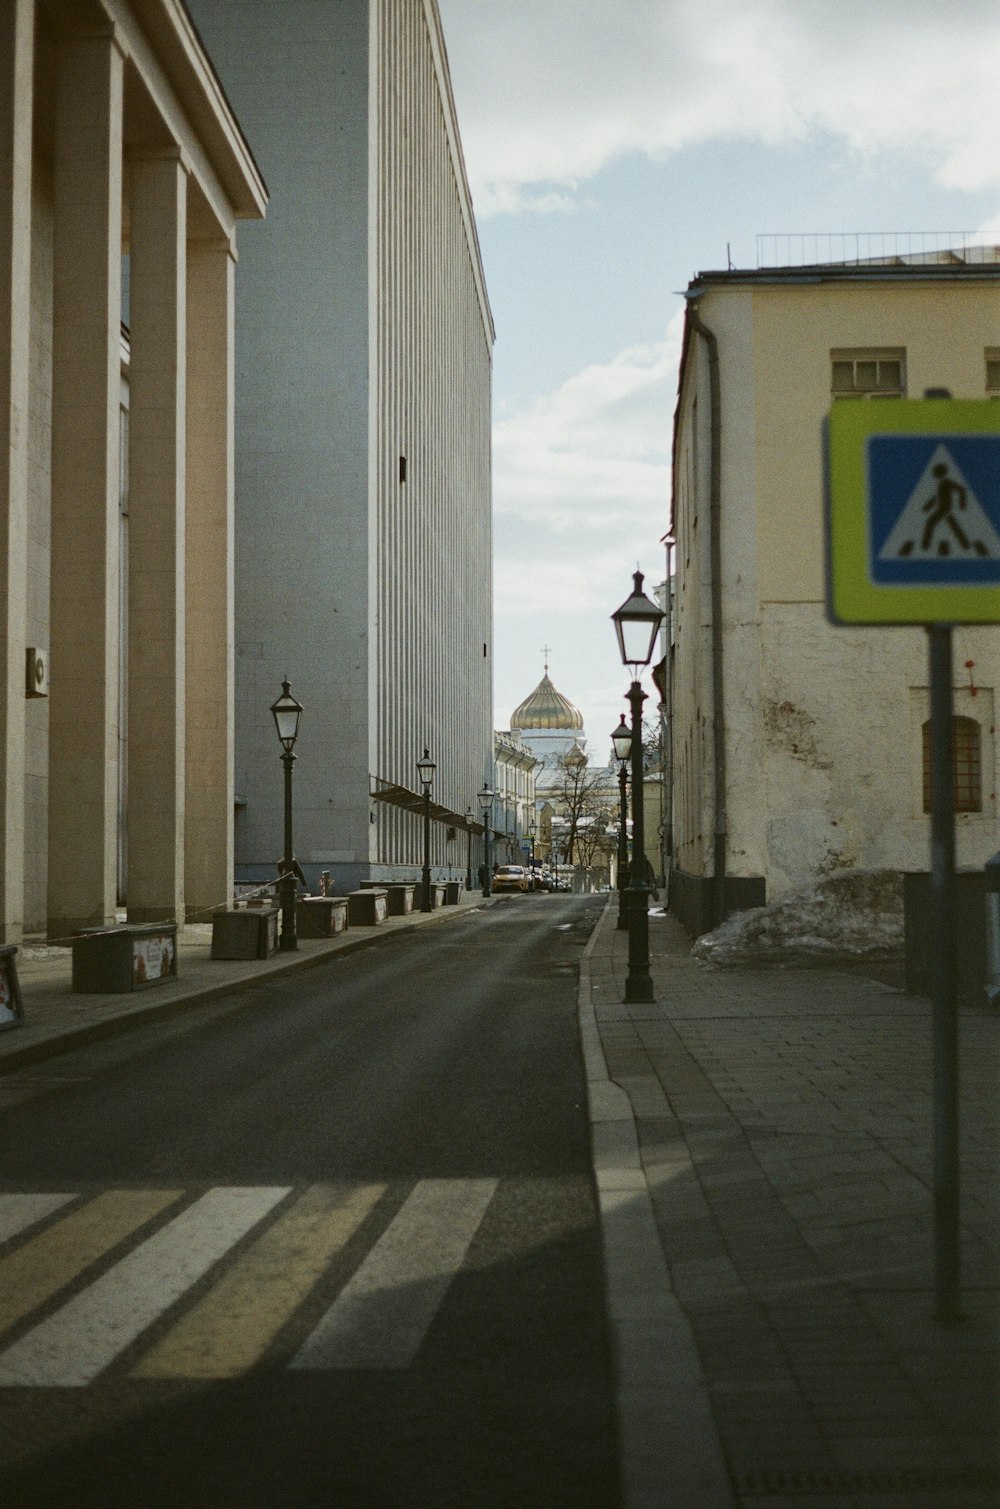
(11, 1013)
(153, 959)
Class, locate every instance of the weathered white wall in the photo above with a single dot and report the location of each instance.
(823, 723)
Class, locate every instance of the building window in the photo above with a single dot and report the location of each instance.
(966, 758)
(992, 354)
(868, 374)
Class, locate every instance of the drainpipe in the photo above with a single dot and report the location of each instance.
(721, 824)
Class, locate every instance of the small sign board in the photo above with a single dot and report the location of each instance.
(913, 511)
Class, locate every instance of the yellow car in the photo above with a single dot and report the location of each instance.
(511, 878)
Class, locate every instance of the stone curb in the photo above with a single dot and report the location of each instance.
(670, 1451)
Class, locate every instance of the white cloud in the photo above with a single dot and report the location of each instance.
(594, 455)
(549, 93)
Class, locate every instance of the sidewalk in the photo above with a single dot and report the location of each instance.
(55, 1018)
(763, 1147)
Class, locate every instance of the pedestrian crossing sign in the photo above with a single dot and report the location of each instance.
(913, 511)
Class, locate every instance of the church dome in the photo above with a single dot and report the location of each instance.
(546, 708)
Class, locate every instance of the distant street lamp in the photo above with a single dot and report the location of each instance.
(286, 713)
(469, 820)
(621, 741)
(426, 767)
(485, 806)
(637, 623)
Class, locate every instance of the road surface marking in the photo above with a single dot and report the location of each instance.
(70, 1347)
(385, 1310)
(33, 1273)
(18, 1212)
(225, 1333)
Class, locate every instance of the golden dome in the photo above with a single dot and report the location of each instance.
(546, 708)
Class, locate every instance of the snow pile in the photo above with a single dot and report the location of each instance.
(855, 914)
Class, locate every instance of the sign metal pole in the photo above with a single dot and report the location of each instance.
(943, 979)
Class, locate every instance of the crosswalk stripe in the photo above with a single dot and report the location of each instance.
(384, 1311)
(70, 1347)
(225, 1333)
(33, 1273)
(18, 1212)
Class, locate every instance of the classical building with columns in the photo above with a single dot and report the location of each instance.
(363, 391)
(123, 172)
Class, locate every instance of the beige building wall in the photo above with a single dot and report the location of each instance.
(822, 724)
(98, 97)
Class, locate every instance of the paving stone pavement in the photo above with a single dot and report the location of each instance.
(783, 1124)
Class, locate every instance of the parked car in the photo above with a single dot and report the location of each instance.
(511, 878)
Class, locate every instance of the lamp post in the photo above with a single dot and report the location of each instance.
(426, 767)
(485, 805)
(637, 623)
(621, 741)
(286, 713)
(469, 820)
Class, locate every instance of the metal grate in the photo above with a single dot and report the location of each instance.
(905, 1480)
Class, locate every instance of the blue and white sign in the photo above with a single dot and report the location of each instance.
(933, 510)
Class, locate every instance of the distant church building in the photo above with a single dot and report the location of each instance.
(552, 728)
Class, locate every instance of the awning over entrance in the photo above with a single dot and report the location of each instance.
(413, 801)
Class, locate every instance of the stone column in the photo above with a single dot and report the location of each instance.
(86, 362)
(208, 871)
(156, 637)
(16, 109)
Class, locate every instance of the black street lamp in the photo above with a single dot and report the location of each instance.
(426, 767)
(286, 713)
(621, 742)
(469, 820)
(485, 806)
(637, 623)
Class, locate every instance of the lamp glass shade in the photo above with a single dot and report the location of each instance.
(286, 713)
(637, 623)
(486, 799)
(426, 767)
(621, 741)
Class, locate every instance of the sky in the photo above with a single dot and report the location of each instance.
(614, 149)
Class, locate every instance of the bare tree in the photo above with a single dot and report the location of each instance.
(581, 798)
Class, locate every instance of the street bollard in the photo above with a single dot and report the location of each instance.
(992, 868)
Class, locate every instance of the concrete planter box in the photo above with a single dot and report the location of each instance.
(114, 960)
(368, 907)
(11, 1010)
(399, 892)
(438, 890)
(321, 916)
(244, 933)
(452, 892)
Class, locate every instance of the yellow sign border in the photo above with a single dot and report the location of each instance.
(851, 596)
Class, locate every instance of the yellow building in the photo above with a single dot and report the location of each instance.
(800, 748)
(123, 172)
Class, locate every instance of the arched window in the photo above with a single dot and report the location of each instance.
(966, 761)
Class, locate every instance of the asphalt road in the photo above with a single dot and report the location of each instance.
(330, 1242)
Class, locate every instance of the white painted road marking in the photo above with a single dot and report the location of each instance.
(385, 1310)
(70, 1347)
(228, 1330)
(36, 1271)
(18, 1212)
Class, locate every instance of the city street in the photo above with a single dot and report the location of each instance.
(331, 1240)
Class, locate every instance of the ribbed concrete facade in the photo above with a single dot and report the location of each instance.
(363, 463)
